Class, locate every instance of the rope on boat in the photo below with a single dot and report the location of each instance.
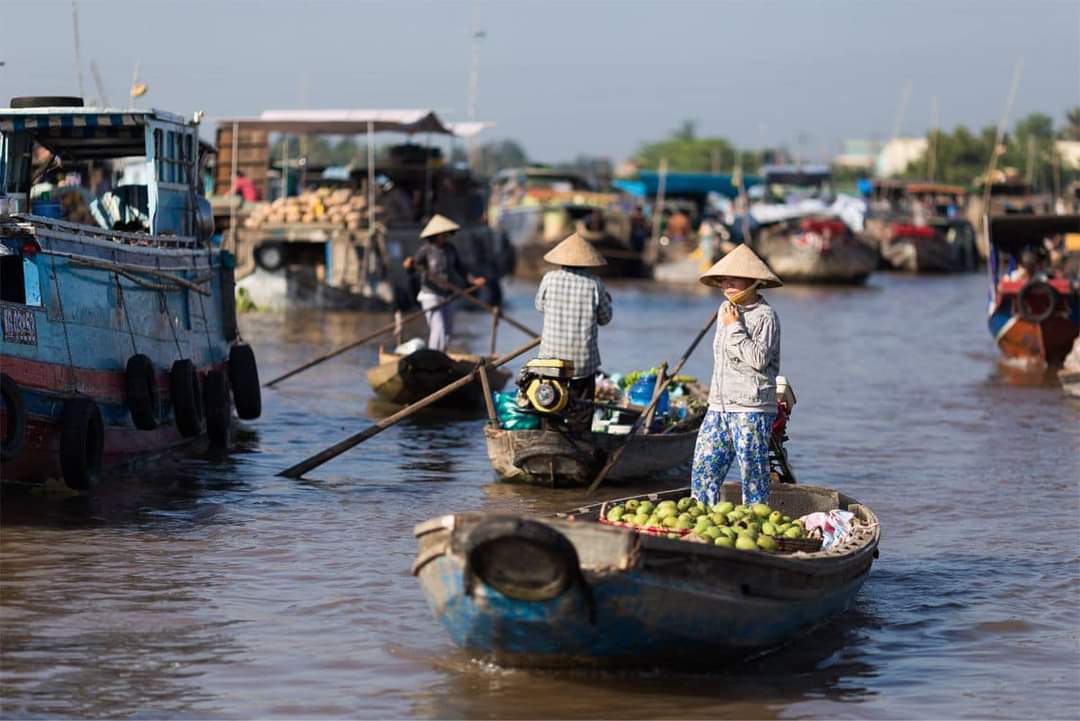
(173, 281)
(123, 307)
(168, 317)
(73, 380)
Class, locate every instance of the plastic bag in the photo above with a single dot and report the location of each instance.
(834, 525)
(510, 416)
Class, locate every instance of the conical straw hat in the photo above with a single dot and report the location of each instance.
(438, 225)
(741, 263)
(576, 252)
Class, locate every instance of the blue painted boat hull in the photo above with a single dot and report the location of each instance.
(639, 601)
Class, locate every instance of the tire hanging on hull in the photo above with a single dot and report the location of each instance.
(82, 443)
(187, 398)
(244, 379)
(141, 392)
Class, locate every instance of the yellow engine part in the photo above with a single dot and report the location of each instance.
(551, 363)
(535, 388)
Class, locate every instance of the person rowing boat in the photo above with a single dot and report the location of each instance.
(441, 271)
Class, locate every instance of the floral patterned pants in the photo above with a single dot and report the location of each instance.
(723, 438)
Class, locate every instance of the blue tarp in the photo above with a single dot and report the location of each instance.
(684, 184)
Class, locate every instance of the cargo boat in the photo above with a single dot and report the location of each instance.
(932, 240)
(1034, 319)
(800, 233)
(119, 323)
(567, 591)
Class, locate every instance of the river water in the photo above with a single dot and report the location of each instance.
(209, 587)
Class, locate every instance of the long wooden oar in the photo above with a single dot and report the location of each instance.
(614, 457)
(340, 447)
(487, 306)
(390, 327)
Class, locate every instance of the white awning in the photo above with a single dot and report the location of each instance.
(342, 122)
(469, 128)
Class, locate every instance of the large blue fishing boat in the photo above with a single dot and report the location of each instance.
(569, 591)
(119, 324)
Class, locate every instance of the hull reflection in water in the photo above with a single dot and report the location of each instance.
(572, 592)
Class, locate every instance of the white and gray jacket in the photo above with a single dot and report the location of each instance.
(746, 361)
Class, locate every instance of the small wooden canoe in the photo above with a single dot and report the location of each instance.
(567, 591)
(561, 459)
(406, 379)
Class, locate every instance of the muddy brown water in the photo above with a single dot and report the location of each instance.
(197, 586)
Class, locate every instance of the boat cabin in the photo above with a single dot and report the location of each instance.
(130, 170)
(792, 183)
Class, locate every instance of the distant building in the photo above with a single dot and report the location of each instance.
(857, 155)
(897, 154)
(1069, 150)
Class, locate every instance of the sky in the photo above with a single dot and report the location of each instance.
(594, 77)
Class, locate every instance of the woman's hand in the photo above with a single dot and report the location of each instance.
(478, 281)
(407, 263)
(728, 314)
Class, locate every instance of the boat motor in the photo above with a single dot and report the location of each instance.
(544, 385)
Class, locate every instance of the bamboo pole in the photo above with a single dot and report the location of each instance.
(485, 383)
(385, 329)
(614, 457)
(494, 328)
(340, 447)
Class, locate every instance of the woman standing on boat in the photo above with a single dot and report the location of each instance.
(742, 395)
(440, 272)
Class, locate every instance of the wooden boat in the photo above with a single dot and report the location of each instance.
(406, 379)
(120, 335)
(568, 591)
(941, 244)
(1033, 320)
(815, 249)
(561, 459)
(800, 229)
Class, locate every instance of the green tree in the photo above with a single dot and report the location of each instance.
(961, 156)
(688, 153)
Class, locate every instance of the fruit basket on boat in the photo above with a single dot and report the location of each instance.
(569, 591)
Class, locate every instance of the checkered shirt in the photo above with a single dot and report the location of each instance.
(574, 303)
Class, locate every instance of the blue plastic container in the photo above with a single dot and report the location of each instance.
(641, 393)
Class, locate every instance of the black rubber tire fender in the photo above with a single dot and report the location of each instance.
(187, 400)
(1036, 286)
(521, 559)
(141, 392)
(218, 404)
(47, 101)
(82, 443)
(15, 409)
(244, 380)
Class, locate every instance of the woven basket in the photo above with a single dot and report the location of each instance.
(794, 545)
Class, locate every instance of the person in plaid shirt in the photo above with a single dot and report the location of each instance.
(574, 303)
